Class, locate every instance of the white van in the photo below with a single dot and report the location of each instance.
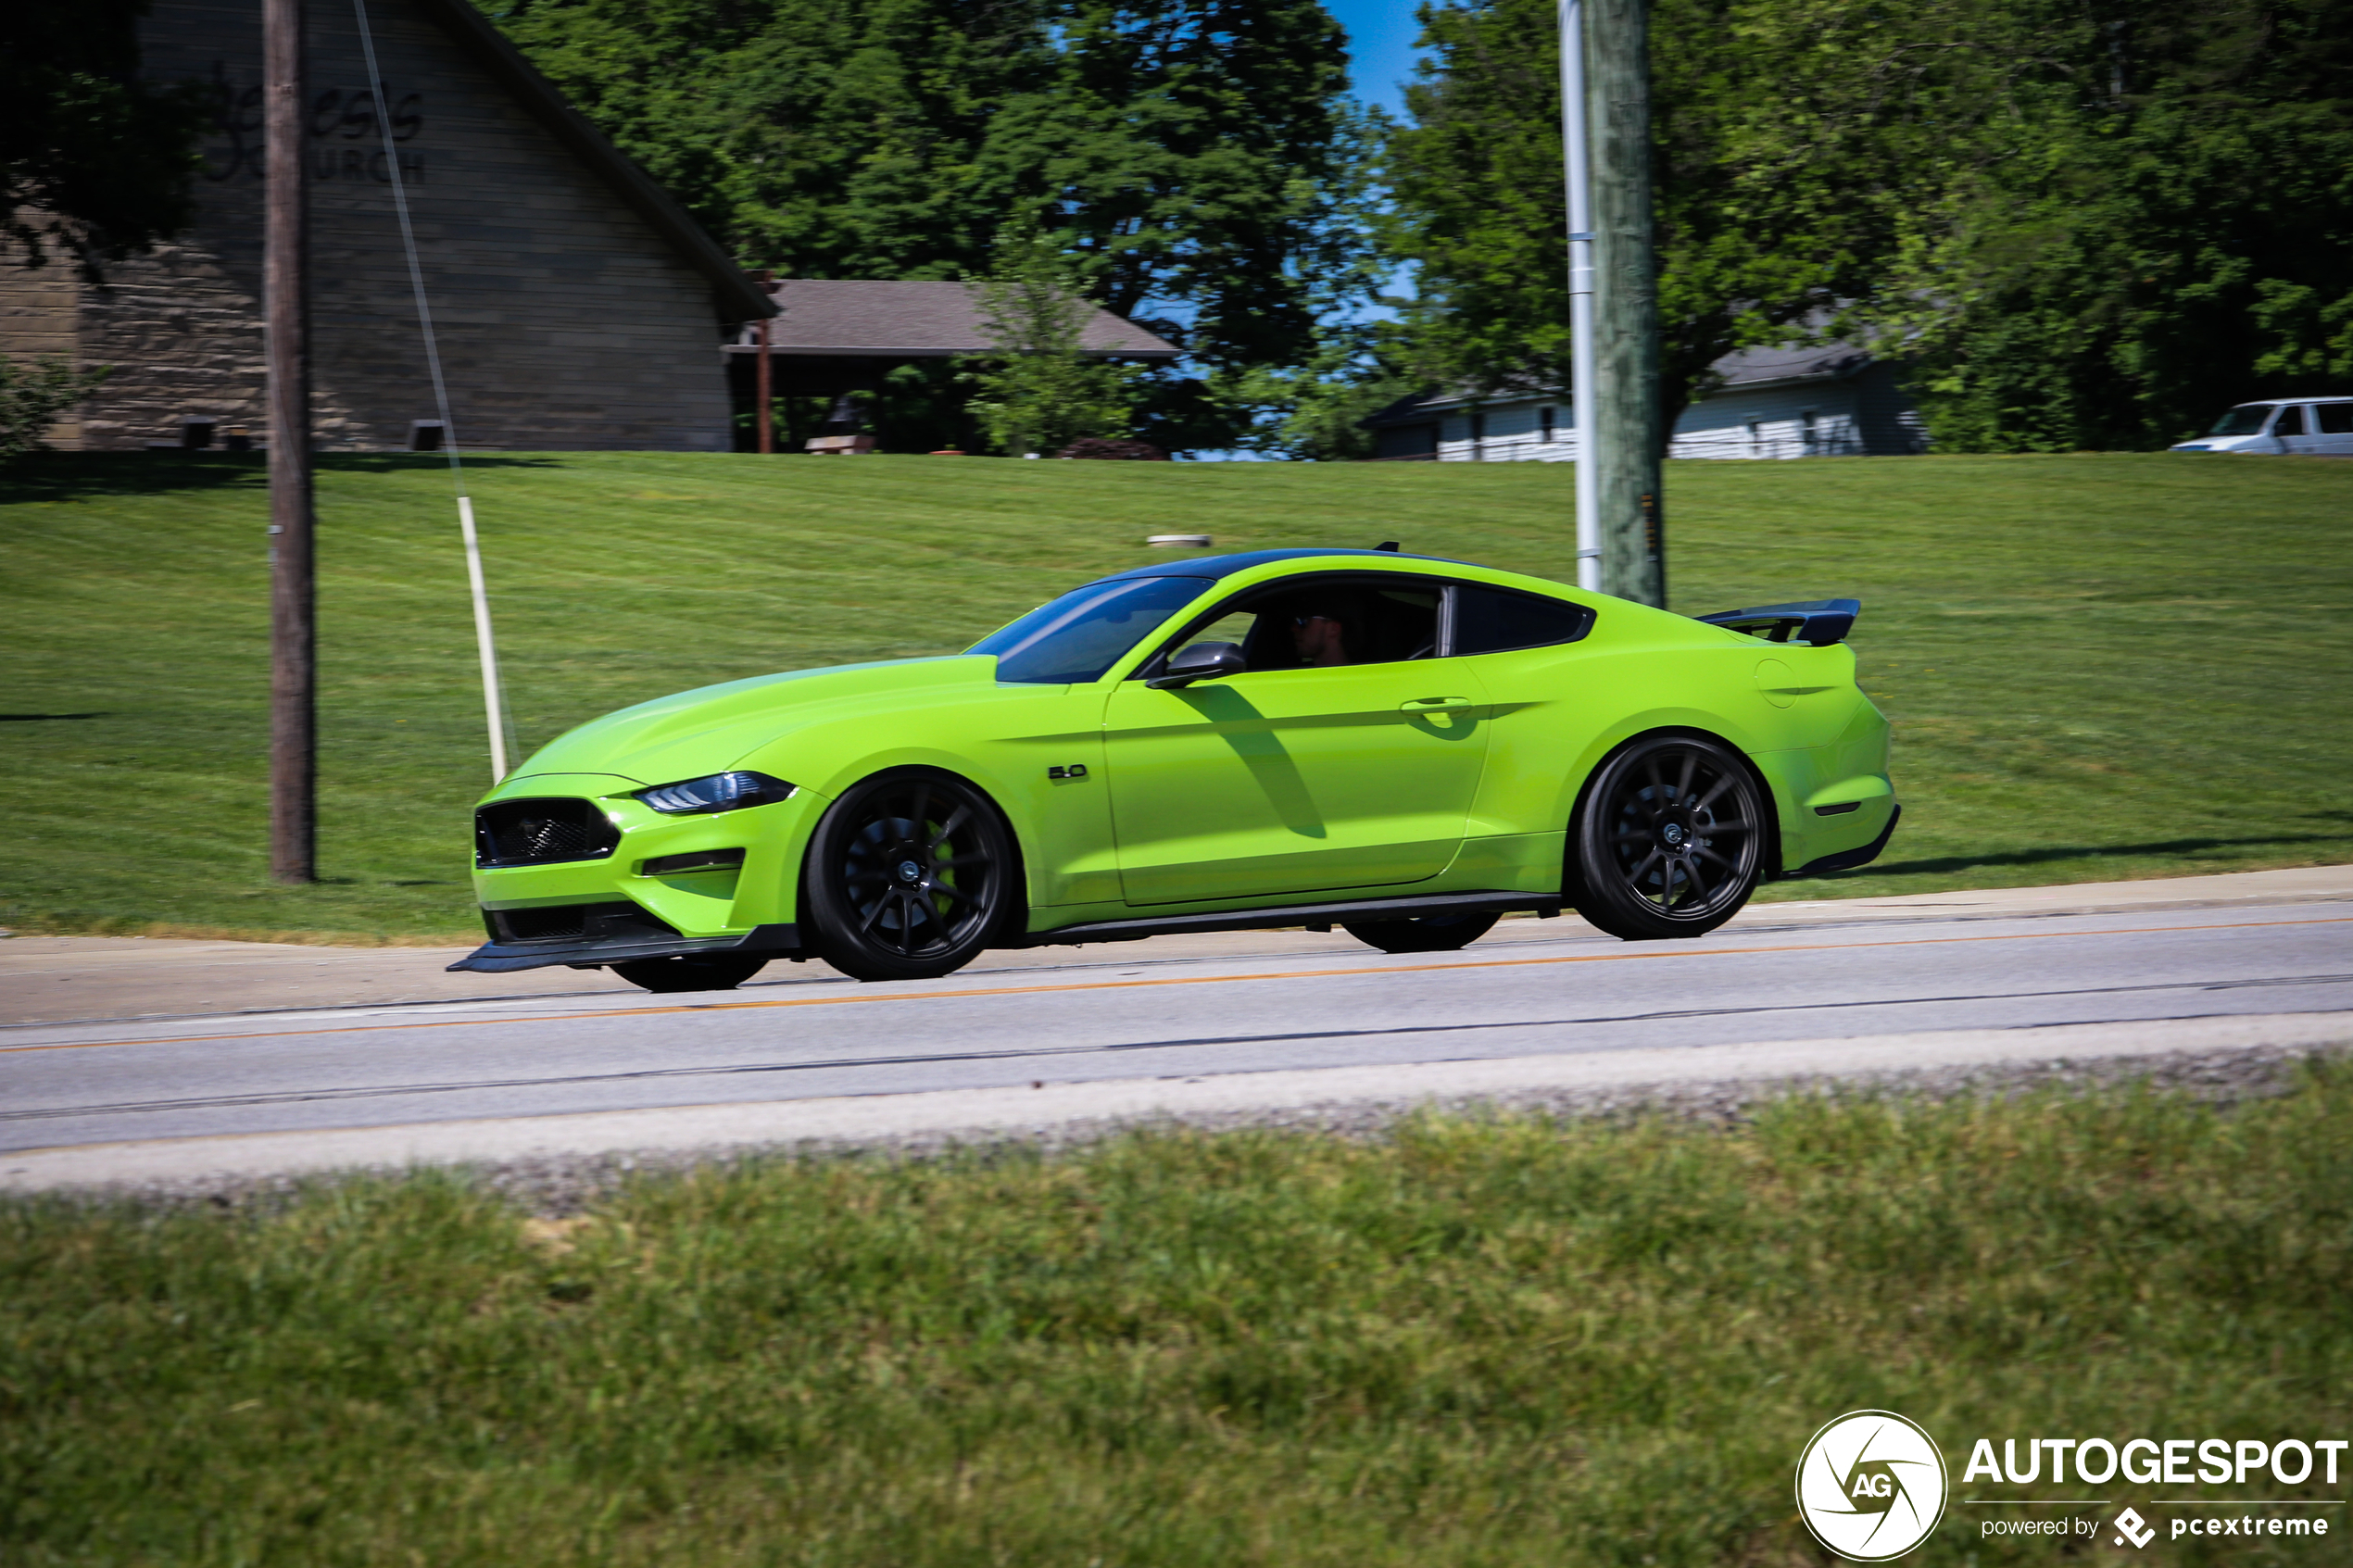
(2311, 427)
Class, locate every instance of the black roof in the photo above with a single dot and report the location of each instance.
(1742, 368)
(1225, 566)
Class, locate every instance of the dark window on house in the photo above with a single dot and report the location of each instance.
(1545, 424)
(1406, 441)
(1495, 620)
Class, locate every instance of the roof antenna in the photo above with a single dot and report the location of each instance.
(1388, 544)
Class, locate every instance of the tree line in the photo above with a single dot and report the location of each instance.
(2073, 223)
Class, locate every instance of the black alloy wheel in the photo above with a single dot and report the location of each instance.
(1671, 840)
(1421, 933)
(911, 873)
(691, 972)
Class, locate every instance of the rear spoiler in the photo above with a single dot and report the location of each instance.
(1820, 622)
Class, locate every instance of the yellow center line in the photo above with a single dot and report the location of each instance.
(864, 996)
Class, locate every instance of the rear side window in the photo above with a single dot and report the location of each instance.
(1496, 620)
(2336, 418)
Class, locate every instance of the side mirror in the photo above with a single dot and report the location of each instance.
(1203, 661)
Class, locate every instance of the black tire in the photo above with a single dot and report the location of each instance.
(1671, 840)
(692, 972)
(1423, 934)
(911, 873)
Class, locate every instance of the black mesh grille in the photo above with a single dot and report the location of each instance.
(533, 832)
(576, 922)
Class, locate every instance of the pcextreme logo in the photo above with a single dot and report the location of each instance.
(1871, 1485)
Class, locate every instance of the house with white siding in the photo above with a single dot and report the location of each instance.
(1830, 401)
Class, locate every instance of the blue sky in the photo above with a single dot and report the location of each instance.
(1380, 46)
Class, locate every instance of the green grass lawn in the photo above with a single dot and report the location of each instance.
(2098, 667)
(1480, 1344)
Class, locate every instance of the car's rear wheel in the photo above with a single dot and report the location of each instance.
(1423, 934)
(1671, 840)
(911, 873)
(692, 972)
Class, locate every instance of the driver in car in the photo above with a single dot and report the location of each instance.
(1319, 633)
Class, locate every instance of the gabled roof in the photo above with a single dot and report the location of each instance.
(858, 319)
(738, 296)
(1745, 370)
(1756, 367)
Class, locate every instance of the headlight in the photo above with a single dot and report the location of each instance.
(718, 792)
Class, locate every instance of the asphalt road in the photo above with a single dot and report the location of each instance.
(1125, 1013)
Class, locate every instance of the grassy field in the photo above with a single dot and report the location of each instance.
(2098, 666)
(1481, 1343)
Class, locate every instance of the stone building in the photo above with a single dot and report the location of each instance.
(578, 307)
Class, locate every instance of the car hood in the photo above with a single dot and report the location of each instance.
(709, 729)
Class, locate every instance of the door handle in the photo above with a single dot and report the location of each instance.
(1433, 704)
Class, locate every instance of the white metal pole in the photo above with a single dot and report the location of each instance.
(1581, 291)
(484, 641)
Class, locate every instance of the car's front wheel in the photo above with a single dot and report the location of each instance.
(1423, 934)
(1671, 840)
(911, 873)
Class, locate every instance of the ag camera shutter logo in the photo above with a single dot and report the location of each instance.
(1871, 1485)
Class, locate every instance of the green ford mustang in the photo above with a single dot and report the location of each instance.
(1403, 746)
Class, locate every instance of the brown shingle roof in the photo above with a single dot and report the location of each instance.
(856, 317)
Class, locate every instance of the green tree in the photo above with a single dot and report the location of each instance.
(1794, 142)
(95, 163)
(33, 395)
(1184, 153)
(2084, 224)
(2172, 236)
(1041, 393)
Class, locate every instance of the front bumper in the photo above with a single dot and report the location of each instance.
(593, 952)
(659, 891)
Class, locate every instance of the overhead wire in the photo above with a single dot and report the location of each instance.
(496, 713)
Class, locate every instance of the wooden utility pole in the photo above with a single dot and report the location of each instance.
(1624, 429)
(294, 650)
(767, 427)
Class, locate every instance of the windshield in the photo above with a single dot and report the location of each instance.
(2245, 419)
(1081, 634)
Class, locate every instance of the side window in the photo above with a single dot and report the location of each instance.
(1496, 620)
(2291, 420)
(1323, 622)
(2336, 418)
